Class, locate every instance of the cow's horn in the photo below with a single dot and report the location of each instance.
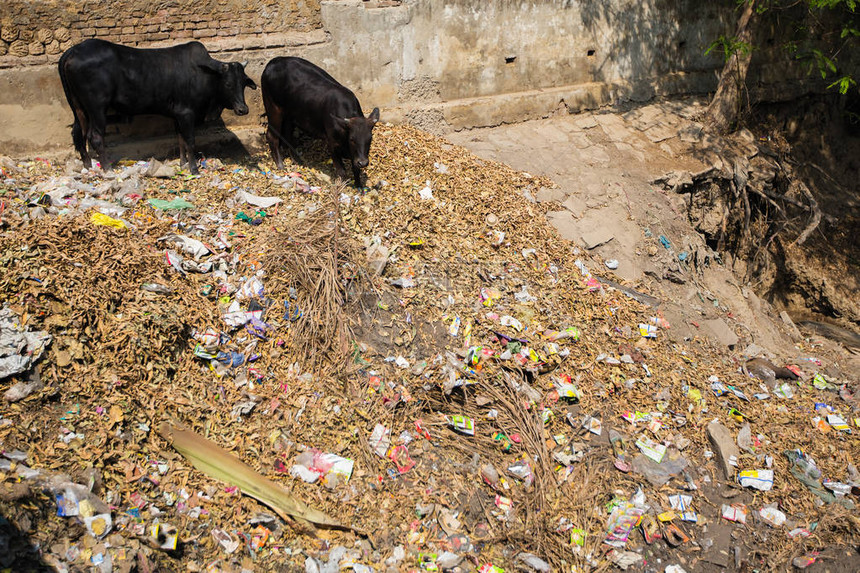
(245, 63)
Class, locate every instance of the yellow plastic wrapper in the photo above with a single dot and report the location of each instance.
(105, 221)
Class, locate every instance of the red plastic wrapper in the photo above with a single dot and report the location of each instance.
(400, 456)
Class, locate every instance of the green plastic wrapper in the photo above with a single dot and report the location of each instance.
(177, 203)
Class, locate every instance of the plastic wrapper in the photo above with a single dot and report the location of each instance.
(522, 470)
(257, 200)
(490, 476)
(462, 424)
(681, 502)
(19, 347)
(648, 330)
(736, 512)
(236, 317)
(506, 504)
(225, 540)
(838, 488)
(838, 423)
(322, 464)
(593, 424)
(106, 221)
(651, 449)
(187, 245)
(165, 535)
(772, 516)
(99, 525)
(380, 440)
(174, 204)
(761, 480)
(622, 521)
(659, 473)
(156, 288)
(533, 562)
(401, 458)
(804, 561)
(555, 335)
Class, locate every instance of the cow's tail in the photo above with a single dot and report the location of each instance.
(78, 136)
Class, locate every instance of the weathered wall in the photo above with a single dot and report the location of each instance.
(527, 56)
(442, 65)
(29, 30)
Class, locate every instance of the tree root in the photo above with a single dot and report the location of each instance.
(816, 215)
(749, 199)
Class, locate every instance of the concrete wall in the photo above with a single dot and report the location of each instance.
(442, 65)
(437, 61)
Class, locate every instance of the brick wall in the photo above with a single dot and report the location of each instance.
(37, 32)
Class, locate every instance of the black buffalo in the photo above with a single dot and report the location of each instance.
(181, 82)
(296, 93)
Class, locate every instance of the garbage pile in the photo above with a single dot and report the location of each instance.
(263, 370)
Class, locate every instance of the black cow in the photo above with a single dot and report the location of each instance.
(181, 82)
(296, 93)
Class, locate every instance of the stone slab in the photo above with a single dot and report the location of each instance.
(724, 446)
(719, 330)
(596, 237)
(564, 223)
(546, 195)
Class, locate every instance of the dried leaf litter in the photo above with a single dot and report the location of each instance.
(468, 401)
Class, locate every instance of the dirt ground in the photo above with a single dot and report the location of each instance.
(606, 166)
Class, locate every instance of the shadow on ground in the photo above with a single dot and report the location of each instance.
(18, 552)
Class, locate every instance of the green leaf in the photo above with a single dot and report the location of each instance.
(844, 84)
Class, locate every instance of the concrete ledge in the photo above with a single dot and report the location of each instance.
(440, 117)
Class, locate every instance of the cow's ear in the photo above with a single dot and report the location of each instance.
(340, 122)
(213, 66)
(250, 83)
(373, 117)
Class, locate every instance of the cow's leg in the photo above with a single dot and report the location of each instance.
(274, 147)
(183, 152)
(289, 139)
(356, 175)
(185, 124)
(337, 162)
(79, 129)
(274, 116)
(96, 136)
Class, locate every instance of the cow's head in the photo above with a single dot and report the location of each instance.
(359, 130)
(232, 82)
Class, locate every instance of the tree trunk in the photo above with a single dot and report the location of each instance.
(724, 110)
